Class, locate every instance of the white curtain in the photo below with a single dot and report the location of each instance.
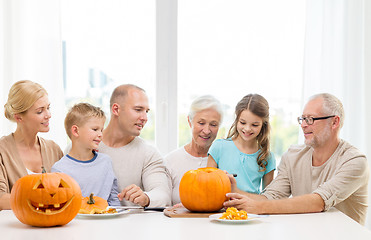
(335, 61)
(31, 49)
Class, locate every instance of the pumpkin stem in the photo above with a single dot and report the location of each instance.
(43, 169)
(91, 199)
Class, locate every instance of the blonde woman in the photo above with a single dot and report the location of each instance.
(23, 152)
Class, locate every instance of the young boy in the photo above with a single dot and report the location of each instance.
(92, 170)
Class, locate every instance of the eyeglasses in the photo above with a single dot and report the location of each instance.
(310, 120)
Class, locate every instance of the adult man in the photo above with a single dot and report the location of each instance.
(138, 166)
(325, 172)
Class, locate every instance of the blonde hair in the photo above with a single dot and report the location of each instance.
(259, 106)
(22, 95)
(79, 114)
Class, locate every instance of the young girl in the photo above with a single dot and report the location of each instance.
(246, 149)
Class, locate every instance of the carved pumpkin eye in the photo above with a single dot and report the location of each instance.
(63, 184)
(38, 185)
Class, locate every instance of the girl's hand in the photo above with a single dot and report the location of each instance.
(233, 181)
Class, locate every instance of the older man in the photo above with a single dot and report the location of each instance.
(139, 168)
(325, 172)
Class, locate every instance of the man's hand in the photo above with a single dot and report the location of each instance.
(258, 204)
(243, 202)
(134, 194)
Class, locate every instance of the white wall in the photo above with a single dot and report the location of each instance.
(367, 88)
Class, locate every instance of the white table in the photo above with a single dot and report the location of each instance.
(154, 225)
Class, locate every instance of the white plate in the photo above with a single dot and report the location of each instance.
(104, 215)
(250, 217)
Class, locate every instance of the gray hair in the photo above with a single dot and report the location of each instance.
(205, 102)
(331, 106)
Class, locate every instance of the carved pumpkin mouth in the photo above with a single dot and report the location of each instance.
(49, 209)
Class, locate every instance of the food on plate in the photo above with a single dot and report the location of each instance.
(111, 210)
(94, 205)
(233, 214)
(98, 211)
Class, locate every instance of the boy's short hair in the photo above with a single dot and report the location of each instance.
(79, 114)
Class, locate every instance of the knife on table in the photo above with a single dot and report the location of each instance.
(159, 209)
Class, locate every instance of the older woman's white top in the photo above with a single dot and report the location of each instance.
(179, 162)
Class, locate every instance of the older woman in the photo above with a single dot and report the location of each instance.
(23, 152)
(204, 119)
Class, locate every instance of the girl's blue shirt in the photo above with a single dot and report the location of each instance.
(230, 158)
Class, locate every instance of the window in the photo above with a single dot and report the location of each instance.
(232, 48)
(224, 48)
(107, 43)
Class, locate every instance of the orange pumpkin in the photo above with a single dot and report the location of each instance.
(46, 199)
(93, 204)
(204, 189)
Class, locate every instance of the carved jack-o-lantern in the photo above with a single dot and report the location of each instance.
(47, 199)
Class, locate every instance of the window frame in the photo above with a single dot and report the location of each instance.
(166, 116)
